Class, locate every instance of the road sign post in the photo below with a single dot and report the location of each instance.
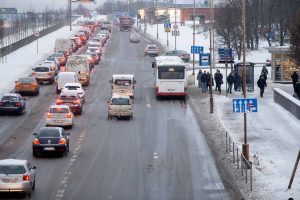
(37, 35)
(167, 30)
(196, 49)
(204, 59)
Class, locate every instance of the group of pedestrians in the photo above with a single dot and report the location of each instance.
(234, 80)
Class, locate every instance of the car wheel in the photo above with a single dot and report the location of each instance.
(65, 153)
(57, 90)
(52, 81)
(35, 154)
(33, 185)
(28, 194)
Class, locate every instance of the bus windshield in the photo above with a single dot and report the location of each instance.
(171, 72)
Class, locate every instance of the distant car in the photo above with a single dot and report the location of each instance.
(60, 115)
(50, 139)
(75, 87)
(62, 59)
(151, 50)
(120, 106)
(53, 65)
(94, 55)
(17, 176)
(43, 73)
(27, 85)
(12, 103)
(185, 56)
(72, 99)
(134, 38)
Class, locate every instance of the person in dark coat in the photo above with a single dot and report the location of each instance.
(219, 80)
(237, 82)
(230, 81)
(203, 81)
(208, 81)
(199, 78)
(264, 72)
(297, 89)
(295, 79)
(261, 83)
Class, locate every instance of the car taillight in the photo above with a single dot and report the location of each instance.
(1, 103)
(33, 73)
(49, 115)
(58, 101)
(36, 141)
(69, 115)
(76, 102)
(62, 141)
(49, 73)
(26, 177)
(18, 104)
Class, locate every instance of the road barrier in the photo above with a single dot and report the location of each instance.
(239, 160)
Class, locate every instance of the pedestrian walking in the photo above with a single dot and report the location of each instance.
(295, 79)
(199, 78)
(215, 79)
(230, 81)
(219, 80)
(203, 81)
(297, 89)
(208, 80)
(264, 72)
(237, 82)
(261, 83)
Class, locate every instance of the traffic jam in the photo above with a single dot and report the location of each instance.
(70, 71)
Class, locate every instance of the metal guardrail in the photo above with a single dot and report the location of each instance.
(239, 159)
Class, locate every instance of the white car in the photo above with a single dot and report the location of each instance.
(60, 115)
(53, 64)
(17, 176)
(120, 106)
(75, 87)
(43, 73)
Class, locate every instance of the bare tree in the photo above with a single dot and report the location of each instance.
(295, 40)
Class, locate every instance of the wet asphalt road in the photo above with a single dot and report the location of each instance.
(160, 154)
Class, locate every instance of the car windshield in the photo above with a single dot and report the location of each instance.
(120, 101)
(152, 47)
(26, 80)
(12, 169)
(49, 133)
(41, 69)
(59, 110)
(51, 58)
(57, 55)
(123, 82)
(9, 98)
(72, 87)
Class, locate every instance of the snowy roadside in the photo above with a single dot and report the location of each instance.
(272, 132)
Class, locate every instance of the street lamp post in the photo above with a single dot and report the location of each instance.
(194, 16)
(175, 25)
(70, 12)
(245, 146)
(155, 14)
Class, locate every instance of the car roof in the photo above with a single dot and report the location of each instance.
(67, 73)
(11, 94)
(59, 106)
(73, 84)
(12, 162)
(68, 93)
(160, 59)
(151, 45)
(122, 76)
(51, 128)
(118, 95)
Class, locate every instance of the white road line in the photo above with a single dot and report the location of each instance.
(148, 101)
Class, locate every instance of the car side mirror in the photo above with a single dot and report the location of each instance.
(35, 134)
(32, 69)
(34, 167)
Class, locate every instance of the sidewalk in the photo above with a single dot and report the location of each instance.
(273, 136)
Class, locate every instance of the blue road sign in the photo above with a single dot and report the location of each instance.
(204, 59)
(196, 50)
(244, 105)
(167, 25)
(225, 54)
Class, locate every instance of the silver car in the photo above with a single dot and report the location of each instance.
(151, 50)
(17, 176)
(134, 37)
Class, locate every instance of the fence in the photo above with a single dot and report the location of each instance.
(239, 160)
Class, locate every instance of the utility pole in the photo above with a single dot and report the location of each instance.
(211, 41)
(176, 25)
(137, 13)
(245, 146)
(194, 16)
(70, 14)
(294, 171)
(156, 17)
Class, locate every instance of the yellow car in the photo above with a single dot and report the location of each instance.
(27, 85)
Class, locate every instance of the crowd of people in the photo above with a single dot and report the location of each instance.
(235, 81)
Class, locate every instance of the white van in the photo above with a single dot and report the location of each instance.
(81, 66)
(65, 77)
(63, 45)
(120, 106)
(123, 84)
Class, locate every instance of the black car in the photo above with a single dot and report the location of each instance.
(12, 103)
(50, 139)
(72, 99)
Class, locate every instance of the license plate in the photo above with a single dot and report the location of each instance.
(9, 180)
(49, 148)
(58, 121)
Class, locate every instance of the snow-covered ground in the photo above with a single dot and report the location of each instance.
(273, 132)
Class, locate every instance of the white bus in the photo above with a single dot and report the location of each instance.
(170, 77)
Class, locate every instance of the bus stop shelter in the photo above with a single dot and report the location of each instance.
(239, 68)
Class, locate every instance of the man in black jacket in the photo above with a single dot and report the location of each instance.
(230, 81)
(295, 79)
(297, 89)
(261, 83)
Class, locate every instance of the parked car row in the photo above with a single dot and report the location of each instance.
(19, 175)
